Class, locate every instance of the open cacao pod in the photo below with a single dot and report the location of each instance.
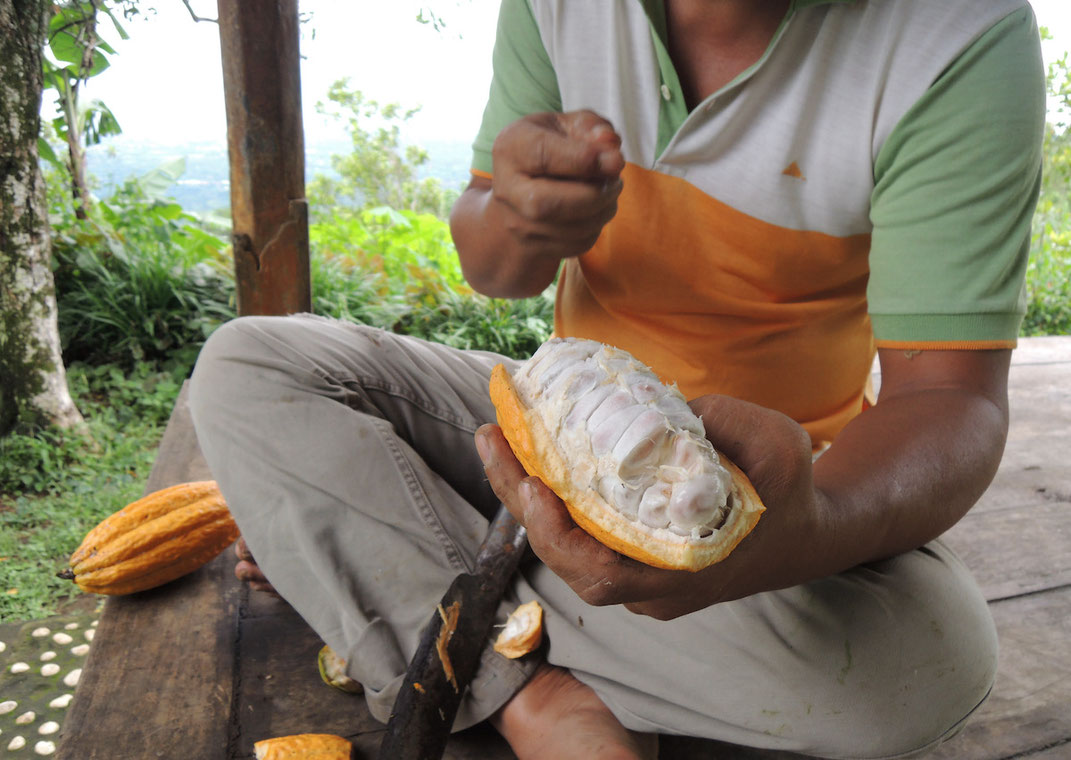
(625, 453)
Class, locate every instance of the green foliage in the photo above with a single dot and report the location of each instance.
(1048, 276)
(381, 252)
(116, 404)
(75, 52)
(139, 279)
(55, 486)
(509, 327)
(399, 270)
(379, 170)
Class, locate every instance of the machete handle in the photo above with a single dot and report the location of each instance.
(450, 646)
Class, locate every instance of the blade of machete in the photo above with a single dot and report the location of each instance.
(450, 647)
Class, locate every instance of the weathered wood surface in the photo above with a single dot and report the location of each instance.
(201, 668)
(160, 671)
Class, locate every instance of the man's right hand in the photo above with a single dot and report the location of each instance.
(557, 177)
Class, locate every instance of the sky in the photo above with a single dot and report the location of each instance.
(166, 82)
(166, 86)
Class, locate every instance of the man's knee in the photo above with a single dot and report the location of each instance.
(234, 355)
(920, 681)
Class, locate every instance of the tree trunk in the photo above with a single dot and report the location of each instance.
(33, 383)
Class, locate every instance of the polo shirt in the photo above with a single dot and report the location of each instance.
(868, 182)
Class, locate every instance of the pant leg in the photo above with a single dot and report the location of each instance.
(306, 424)
(316, 432)
(881, 661)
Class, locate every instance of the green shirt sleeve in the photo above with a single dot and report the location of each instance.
(523, 80)
(956, 184)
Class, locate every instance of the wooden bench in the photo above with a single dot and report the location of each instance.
(201, 668)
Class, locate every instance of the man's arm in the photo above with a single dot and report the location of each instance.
(555, 185)
(923, 455)
(897, 476)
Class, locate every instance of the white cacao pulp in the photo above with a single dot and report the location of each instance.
(634, 440)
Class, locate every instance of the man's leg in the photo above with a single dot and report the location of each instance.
(347, 458)
(308, 425)
(880, 661)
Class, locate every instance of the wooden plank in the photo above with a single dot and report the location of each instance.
(157, 681)
(178, 458)
(1018, 550)
(1035, 467)
(281, 692)
(1060, 751)
(1030, 708)
(687, 748)
(1048, 349)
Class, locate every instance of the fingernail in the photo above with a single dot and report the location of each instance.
(609, 161)
(483, 448)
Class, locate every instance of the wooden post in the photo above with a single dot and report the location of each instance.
(262, 85)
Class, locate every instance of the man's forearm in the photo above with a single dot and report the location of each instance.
(909, 468)
(556, 183)
(490, 257)
(897, 476)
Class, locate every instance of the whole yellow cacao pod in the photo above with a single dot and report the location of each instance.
(154, 540)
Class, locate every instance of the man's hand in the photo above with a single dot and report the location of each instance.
(556, 180)
(783, 548)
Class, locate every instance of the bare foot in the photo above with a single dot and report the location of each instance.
(247, 570)
(555, 715)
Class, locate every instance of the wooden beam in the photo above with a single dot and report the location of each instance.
(262, 86)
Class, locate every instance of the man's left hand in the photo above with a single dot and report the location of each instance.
(773, 451)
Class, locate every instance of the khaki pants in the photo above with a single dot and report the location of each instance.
(346, 456)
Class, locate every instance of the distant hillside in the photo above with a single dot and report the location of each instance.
(205, 185)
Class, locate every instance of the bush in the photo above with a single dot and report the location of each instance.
(125, 412)
(398, 270)
(139, 280)
(1048, 274)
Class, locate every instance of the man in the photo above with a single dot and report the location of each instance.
(749, 196)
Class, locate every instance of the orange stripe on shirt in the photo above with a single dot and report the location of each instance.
(720, 302)
(945, 345)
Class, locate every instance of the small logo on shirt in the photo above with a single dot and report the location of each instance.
(793, 170)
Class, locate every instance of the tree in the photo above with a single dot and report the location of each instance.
(33, 383)
(80, 53)
(380, 170)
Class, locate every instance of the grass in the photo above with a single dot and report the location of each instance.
(54, 487)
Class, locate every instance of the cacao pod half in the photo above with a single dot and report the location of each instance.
(625, 453)
(154, 540)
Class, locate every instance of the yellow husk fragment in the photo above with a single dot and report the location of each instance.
(523, 632)
(304, 747)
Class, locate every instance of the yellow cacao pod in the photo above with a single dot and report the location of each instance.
(333, 672)
(625, 453)
(154, 540)
(303, 747)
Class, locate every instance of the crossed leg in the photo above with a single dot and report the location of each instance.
(346, 455)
